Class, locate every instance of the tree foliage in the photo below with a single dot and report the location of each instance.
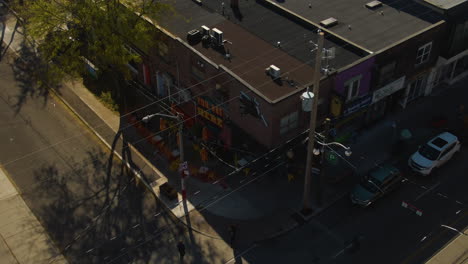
(67, 31)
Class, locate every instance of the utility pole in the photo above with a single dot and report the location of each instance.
(326, 130)
(183, 172)
(307, 205)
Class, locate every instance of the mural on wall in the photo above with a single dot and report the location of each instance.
(250, 106)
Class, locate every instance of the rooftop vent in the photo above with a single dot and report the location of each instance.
(274, 71)
(205, 30)
(374, 4)
(218, 37)
(329, 22)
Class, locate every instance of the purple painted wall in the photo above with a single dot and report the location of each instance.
(364, 68)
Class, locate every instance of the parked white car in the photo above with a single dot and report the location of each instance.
(435, 153)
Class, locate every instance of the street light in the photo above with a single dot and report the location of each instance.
(179, 117)
(348, 151)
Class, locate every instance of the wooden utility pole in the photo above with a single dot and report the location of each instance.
(307, 204)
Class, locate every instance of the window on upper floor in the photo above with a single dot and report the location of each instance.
(289, 122)
(386, 72)
(198, 70)
(423, 53)
(352, 87)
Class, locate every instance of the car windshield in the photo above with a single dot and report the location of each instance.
(429, 152)
(368, 185)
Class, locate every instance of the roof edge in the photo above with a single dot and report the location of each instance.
(291, 13)
(410, 36)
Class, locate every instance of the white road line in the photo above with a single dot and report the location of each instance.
(458, 212)
(113, 238)
(197, 192)
(90, 250)
(424, 238)
(458, 202)
(441, 195)
(240, 254)
(427, 191)
(135, 226)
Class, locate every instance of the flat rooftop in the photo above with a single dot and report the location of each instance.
(372, 29)
(253, 32)
(444, 4)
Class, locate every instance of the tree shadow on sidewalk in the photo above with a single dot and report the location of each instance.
(32, 77)
(93, 211)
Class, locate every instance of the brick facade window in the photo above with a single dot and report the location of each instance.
(423, 53)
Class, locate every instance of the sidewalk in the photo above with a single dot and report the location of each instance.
(23, 239)
(455, 252)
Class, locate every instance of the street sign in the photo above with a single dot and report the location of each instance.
(315, 171)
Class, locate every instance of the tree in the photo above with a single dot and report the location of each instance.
(68, 32)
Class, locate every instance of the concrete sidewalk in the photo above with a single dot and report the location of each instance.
(455, 252)
(23, 239)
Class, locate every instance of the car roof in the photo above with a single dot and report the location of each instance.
(442, 140)
(383, 172)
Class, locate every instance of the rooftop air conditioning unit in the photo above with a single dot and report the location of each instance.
(374, 4)
(329, 22)
(218, 37)
(274, 71)
(205, 30)
(194, 36)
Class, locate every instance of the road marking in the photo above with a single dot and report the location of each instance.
(427, 191)
(197, 192)
(90, 250)
(240, 254)
(156, 215)
(341, 251)
(267, 165)
(113, 238)
(424, 238)
(458, 202)
(458, 212)
(430, 242)
(442, 195)
(135, 226)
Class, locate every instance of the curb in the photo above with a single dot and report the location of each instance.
(136, 173)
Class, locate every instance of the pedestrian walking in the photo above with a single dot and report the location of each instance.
(232, 234)
(181, 248)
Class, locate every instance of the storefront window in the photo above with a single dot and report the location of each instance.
(416, 88)
(461, 66)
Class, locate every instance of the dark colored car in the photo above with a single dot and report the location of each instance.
(376, 184)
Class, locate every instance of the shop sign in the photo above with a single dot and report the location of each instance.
(357, 104)
(210, 112)
(388, 89)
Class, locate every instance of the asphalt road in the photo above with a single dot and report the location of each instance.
(82, 194)
(389, 232)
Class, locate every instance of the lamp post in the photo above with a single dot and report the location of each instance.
(179, 119)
